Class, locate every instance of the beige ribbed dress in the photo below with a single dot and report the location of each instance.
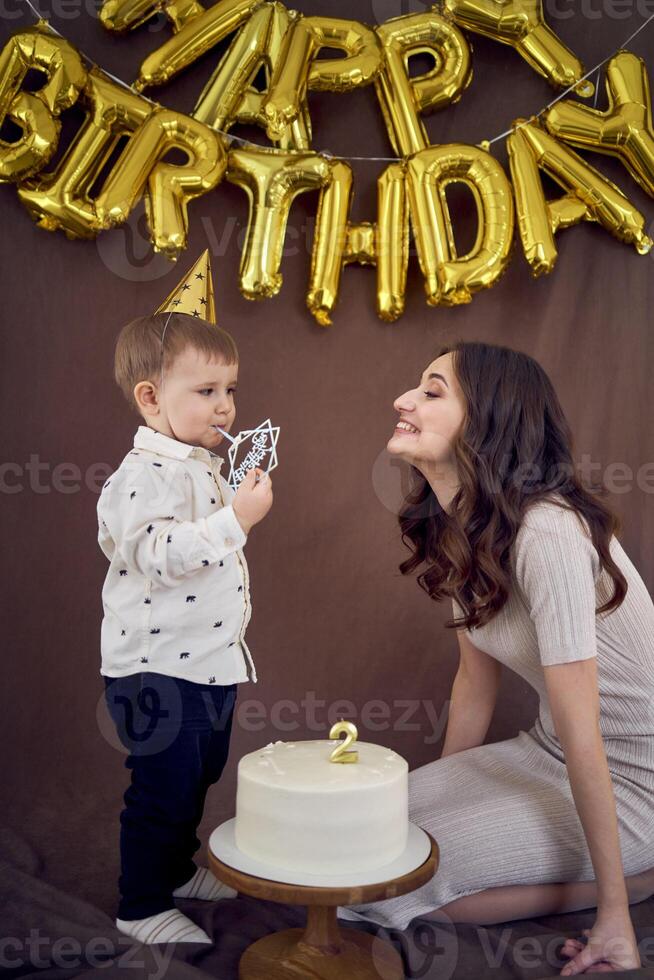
(504, 813)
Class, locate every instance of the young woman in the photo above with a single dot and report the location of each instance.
(560, 817)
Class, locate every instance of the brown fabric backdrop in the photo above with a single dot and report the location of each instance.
(332, 615)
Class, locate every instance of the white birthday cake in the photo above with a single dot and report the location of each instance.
(296, 809)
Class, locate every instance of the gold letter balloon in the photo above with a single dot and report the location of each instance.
(36, 114)
(120, 153)
(590, 197)
(451, 279)
(520, 23)
(403, 98)
(625, 129)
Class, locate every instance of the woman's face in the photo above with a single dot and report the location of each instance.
(430, 416)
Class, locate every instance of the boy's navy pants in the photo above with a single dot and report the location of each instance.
(177, 734)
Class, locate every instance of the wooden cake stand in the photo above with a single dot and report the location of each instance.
(321, 951)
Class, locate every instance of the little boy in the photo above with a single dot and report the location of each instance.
(176, 605)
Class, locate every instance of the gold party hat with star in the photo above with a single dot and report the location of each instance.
(194, 294)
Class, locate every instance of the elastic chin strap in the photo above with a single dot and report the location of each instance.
(169, 423)
(161, 379)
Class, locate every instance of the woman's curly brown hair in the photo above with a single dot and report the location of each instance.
(513, 448)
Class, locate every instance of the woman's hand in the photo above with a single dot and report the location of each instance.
(610, 947)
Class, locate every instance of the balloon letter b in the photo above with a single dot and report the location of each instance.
(35, 113)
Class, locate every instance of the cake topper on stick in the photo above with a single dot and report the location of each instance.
(263, 447)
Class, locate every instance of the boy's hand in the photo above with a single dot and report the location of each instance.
(253, 500)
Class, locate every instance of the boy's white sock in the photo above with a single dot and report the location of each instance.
(206, 886)
(170, 926)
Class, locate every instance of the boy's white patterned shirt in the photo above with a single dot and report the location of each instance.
(176, 597)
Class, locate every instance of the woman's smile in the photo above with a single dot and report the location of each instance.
(405, 428)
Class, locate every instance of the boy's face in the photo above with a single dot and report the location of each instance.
(197, 393)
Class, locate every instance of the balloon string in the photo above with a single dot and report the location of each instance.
(37, 12)
(558, 98)
(163, 334)
(230, 138)
(596, 83)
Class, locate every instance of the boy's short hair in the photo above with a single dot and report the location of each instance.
(138, 355)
